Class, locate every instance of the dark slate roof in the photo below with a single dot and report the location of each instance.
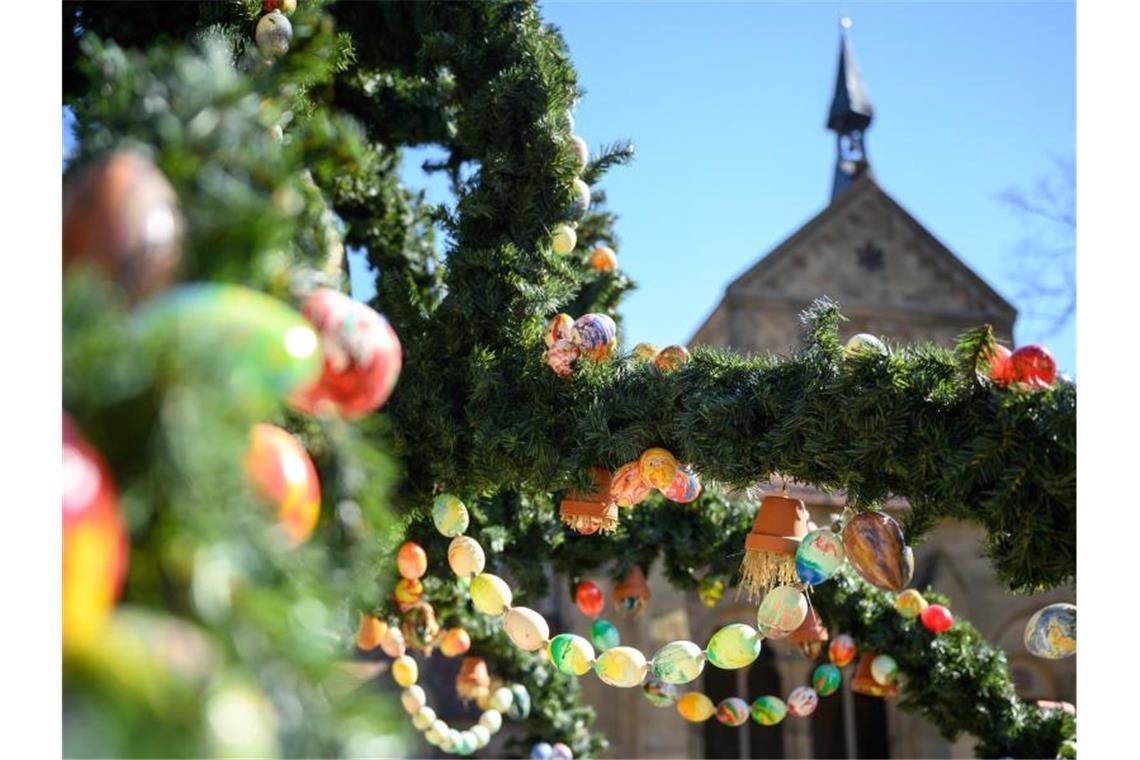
(850, 107)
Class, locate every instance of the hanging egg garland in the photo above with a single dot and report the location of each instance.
(910, 603)
(490, 594)
(405, 671)
(273, 34)
(589, 599)
(734, 646)
(783, 608)
(450, 515)
(283, 475)
(604, 635)
(768, 710)
(411, 560)
(571, 654)
(695, 707)
(802, 701)
(679, 662)
(819, 556)
(392, 642)
(581, 200)
(526, 628)
(841, 650)
(563, 239)
(455, 642)
(732, 711)
(874, 545)
(1051, 632)
(624, 667)
(884, 670)
(826, 679)
(413, 699)
(936, 618)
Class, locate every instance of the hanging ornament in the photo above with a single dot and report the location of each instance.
(95, 544)
(283, 475)
(671, 358)
(589, 599)
(465, 557)
(604, 635)
(449, 515)
(710, 590)
(369, 633)
(627, 489)
(571, 654)
(455, 642)
(1033, 366)
(1051, 632)
(273, 34)
(520, 702)
(558, 329)
(473, 680)
(285, 6)
(678, 662)
(414, 699)
(581, 151)
(768, 710)
(420, 629)
(884, 670)
(695, 707)
(826, 679)
(841, 651)
(734, 646)
(121, 216)
(563, 239)
(490, 594)
(411, 560)
(802, 701)
(541, 751)
(581, 200)
(362, 357)
(1000, 367)
(810, 636)
(874, 545)
(405, 672)
(595, 335)
(500, 699)
(392, 642)
(526, 628)
(559, 751)
(865, 683)
(685, 486)
(769, 557)
(657, 467)
(644, 352)
(659, 693)
(864, 343)
(936, 618)
(591, 512)
(819, 556)
(732, 712)
(783, 608)
(561, 357)
(910, 603)
(407, 593)
(603, 259)
(631, 593)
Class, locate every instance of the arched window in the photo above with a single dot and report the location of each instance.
(750, 740)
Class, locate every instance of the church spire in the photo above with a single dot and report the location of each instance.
(849, 117)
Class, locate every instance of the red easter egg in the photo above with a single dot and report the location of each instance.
(936, 618)
(1034, 366)
(589, 598)
(95, 548)
(283, 474)
(362, 356)
(1001, 370)
(411, 560)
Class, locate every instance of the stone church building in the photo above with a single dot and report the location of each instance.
(894, 279)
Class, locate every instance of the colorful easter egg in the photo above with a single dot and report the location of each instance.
(826, 679)
(589, 599)
(405, 672)
(710, 590)
(492, 720)
(783, 608)
(884, 670)
(768, 710)
(595, 335)
(413, 699)
(802, 701)
(581, 151)
(604, 634)
(627, 489)
(95, 548)
(490, 594)
(435, 734)
(1051, 632)
(411, 560)
(734, 646)
(455, 641)
(818, 556)
(541, 751)
(732, 712)
(768, 632)
(874, 545)
(526, 628)
(624, 667)
(695, 707)
(501, 699)
(678, 662)
(465, 556)
(362, 356)
(561, 357)
(571, 654)
(685, 486)
(841, 650)
(658, 467)
(481, 734)
(423, 719)
(283, 474)
(558, 329)
(864, 343)
(559, 751)
(563, 239)
(450, 515)
(603, 259)
(1034, 366)
(644, 352)
(936, 618)
(659, 693)
(392, 642)
(240, 341)
(519, 708)
(407, 593)
(581, 200)
(671, 358)
(910, 603)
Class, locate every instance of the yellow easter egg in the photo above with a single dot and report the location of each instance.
(657, 467)
(624, 667)
(490, 594)
(405, 671)
(695, 707)
(910, 603)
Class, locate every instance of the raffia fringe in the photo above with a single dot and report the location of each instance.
(602, 524)
(762, 571)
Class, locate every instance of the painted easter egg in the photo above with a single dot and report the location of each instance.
(411, 560)
(283, 475)
(490, 594)
(526, 628)
(455, 641)
(492, 720)
(423, 719)
(884, 670)
(405, 672)
(603, 259)
(910, 603)
(407, 593)
(659, 693)
(658, 467)
(589, 599)
(732, 712)
(465, 556)
(695, 707)
(501, 699)
(581, 151)
(392, 642)
(362, 356)
(864, 343)
(563, 239)
(559, 751)
(1034, 366)
(604, 634)
(936, 618)
(841, 650)
(644, 352)
(783, 608)
(768, 710)
(818, 556)
(873, 542)
(561, 357)
(802, 701)
(685, 486)
(826, 679)
(541, 751)
(671, 358)
(734, 646)
(558, 329)
(624, 667)
(413, 699)
(581, 200)
(571, 654)
(450, 515)
(1051, 632)
(679, 662)
(519, 708)
(436, 733)
(481, 734)
(595, 335)
(627, 489)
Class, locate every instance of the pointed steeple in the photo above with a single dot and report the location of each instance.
(849, 117)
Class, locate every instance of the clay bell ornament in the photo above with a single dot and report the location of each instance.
(865, 683)
(810, 636)
(591, 512)
(121, 216)
(632, 593)
(473, 681)
(770, 549)
(874, 545)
